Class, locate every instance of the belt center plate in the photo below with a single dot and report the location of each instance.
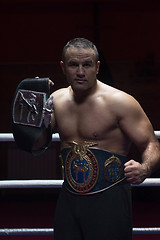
(81, 170)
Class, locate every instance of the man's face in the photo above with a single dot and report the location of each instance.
(80, 68)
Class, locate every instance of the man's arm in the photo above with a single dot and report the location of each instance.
(134, 122)
(136, 172)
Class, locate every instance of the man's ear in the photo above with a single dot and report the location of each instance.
(62, 66)
(98, 65)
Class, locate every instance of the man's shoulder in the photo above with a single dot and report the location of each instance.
(113, 92)
(60, 92)
(116, 98)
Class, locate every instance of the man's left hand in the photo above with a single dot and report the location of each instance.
(135, 172)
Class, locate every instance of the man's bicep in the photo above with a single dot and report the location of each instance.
(137, 126)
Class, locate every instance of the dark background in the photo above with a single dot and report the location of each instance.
(32, 35)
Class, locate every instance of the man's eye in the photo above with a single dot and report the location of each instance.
(73, 64)
(86, 65)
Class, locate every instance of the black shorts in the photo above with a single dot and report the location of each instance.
(106, 215)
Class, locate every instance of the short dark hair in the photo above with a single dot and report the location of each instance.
(80, 43)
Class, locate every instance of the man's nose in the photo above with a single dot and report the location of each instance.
(80, 71)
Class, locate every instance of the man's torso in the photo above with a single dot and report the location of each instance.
(93, 120)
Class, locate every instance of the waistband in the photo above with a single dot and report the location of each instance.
(90, 170)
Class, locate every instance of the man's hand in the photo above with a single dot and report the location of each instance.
(135, 172)
(51, 84)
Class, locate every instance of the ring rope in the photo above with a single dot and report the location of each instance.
(149, 182)
(8, 137)
(50, 231)
(31, 183)
(148, 230)
(26, 231)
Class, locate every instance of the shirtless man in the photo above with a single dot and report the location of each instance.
(91, 111)
(97, 124)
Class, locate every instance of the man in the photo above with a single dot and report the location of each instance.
(97, 124)
(91, 111)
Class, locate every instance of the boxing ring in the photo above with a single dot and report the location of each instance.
(8, 137)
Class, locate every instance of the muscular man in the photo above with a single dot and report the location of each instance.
(97, 124)
(91, 111)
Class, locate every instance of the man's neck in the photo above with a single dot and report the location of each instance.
(81, 95)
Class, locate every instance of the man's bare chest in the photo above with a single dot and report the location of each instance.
(87, 123)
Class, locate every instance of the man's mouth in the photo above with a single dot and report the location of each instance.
(80, 81)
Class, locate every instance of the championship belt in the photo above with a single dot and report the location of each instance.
(90, 170)
(31, 105)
